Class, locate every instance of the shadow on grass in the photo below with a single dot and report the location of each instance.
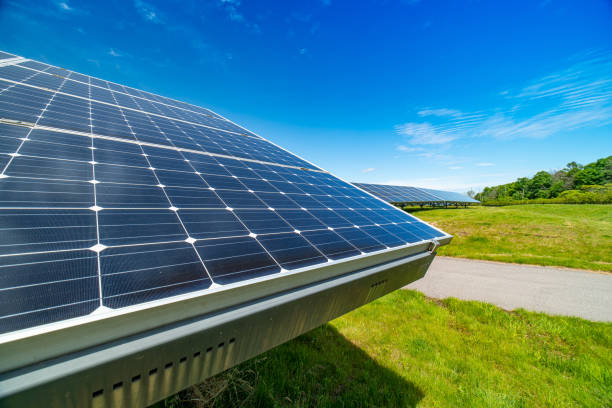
(320, 368)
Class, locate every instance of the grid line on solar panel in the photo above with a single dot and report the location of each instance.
(118, 89)
(150, 144)
(115, 221)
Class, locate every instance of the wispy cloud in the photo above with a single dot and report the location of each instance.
(455, 168)
(576, 97)
(113, 53)
(231, 7)
(148, 11)
(63, 9)
(368, 170)
(424, 134)
(442, 112)
(453, 182)
(485, 164)
(408, 149)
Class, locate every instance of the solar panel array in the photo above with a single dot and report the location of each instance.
(450, 196)
(418, 195)
(112, 196)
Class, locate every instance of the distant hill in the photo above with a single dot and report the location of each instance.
(574, 184)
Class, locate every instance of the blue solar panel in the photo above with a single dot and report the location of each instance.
(111, 197)
(419, 195)
(450, 196)
(6, 55)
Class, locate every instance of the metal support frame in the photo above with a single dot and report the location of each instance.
(141, 369)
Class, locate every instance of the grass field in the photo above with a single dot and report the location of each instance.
(406, 350)
(575, 236)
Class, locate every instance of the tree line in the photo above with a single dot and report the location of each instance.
(591, 183)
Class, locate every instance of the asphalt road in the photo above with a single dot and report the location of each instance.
(560, 291)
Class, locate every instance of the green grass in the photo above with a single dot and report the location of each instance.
(407, 350)
(575, 236)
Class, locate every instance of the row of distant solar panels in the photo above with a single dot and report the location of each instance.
(406, 194)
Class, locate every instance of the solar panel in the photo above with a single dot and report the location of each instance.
(418, 195)
(450, 196)
(112, 197)
(6, 55)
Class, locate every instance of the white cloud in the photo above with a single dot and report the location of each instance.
(113, 53)
(455, 168)
(64, 9)
(147, 11)
(368, 170)
(576, 97)
(485, 164)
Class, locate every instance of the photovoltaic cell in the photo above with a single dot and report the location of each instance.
(111, 197)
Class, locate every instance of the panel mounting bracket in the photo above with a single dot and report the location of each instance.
(433, 246)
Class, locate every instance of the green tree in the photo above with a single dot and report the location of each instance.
(521, 188)
(589, 175)
(557, 188)
(574, 178)
(538, 186)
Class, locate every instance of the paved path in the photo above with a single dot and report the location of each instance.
(570, 292)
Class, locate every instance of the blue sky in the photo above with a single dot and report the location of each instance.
(453, 95)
